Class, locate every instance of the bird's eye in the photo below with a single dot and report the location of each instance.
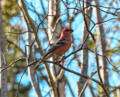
(67, 30)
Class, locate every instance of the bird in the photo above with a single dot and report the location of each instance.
(60, 47)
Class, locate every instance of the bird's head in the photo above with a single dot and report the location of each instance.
(66, 32)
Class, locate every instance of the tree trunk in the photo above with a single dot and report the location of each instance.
(3, 74)
(31, 73)
(101, 37)
(84, 53)
(54, 27)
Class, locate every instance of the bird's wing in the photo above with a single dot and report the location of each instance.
(58, 44)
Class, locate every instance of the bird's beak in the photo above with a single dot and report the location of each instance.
(71, 31)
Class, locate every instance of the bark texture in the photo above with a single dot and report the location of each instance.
(3, 74)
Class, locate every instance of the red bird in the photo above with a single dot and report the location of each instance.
(60, 47)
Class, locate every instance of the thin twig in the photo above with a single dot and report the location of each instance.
(12, 63)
